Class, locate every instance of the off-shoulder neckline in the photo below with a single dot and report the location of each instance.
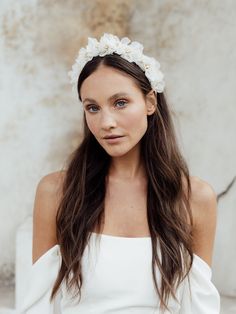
(56, 248)
(118, 237)
(108, 236)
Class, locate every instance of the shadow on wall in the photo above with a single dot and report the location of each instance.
(225, 242)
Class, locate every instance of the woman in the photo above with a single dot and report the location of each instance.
(128, 185)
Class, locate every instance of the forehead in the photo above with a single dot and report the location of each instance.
(107, 81)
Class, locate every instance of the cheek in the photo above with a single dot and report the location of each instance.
(92, 125)
(137, 121)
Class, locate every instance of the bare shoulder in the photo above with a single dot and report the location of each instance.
(52, 182)
(203, 203)
(47, 198)
(203, 200)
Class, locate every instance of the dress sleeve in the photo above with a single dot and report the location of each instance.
(40, 282)
(200, 296)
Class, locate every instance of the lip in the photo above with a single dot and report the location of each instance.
(112, 136)
(111, 140)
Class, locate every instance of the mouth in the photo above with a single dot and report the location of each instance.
(112, 136)
(113, 139)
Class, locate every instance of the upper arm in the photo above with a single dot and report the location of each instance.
(204, 209)
(47, 198)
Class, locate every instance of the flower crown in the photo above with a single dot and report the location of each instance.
(131, 51)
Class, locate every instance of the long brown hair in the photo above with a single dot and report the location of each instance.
(168, 207)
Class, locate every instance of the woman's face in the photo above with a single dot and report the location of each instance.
(114, 105)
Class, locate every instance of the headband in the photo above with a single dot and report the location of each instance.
(130, 51)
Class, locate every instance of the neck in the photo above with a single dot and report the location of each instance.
(127, 167)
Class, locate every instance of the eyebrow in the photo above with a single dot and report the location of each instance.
(120, 94)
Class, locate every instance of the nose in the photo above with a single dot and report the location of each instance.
(108, 120)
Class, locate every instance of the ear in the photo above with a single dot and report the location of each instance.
(151, 102)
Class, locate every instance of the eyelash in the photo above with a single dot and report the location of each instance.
(88, 107)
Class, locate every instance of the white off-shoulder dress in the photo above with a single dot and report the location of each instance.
(117, 279)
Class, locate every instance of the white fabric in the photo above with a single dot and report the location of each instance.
(117, 278)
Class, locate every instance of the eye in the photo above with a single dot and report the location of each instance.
(122, 102)
(91, 108)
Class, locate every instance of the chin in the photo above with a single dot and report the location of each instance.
(119, 150)
(116, 152)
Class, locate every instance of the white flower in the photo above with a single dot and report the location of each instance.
(130, 51)
(92, 47)
(108, 44)
(137, 46)
(125, 40)
(159, 86)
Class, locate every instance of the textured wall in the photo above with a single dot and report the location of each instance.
(40, 119)
(195, 41)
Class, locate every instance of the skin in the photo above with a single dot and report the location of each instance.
(126, 215)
